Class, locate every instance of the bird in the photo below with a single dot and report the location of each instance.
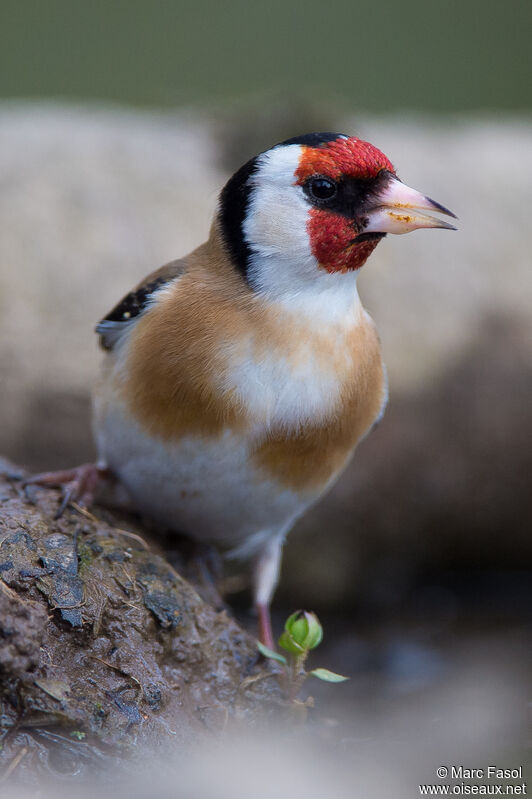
(237, 381)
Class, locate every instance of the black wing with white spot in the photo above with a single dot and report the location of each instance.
(133, 304)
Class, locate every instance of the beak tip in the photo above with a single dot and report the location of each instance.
(445, 225)
(441, 208)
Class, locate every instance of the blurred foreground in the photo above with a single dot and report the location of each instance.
(474, 721)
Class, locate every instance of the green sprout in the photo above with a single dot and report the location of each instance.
(302, 632)
(78, 734)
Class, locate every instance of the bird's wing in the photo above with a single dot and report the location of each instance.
(119, 319)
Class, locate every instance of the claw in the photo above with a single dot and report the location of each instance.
(79, 484)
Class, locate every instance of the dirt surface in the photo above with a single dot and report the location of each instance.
(104, 646)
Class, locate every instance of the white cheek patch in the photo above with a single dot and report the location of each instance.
(282, 267)
(276, 225)
(276, 222)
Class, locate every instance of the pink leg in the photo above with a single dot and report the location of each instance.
(265, 578)
(265, 626)
(79, 484)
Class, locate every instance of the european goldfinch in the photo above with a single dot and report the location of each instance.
(237, 381)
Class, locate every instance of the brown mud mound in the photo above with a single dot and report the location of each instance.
(104, 646)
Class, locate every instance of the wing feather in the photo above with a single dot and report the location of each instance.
(118, 320)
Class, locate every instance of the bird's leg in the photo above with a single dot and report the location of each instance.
(265, 578)
(265, 625)
(79, 484)
(208, 568)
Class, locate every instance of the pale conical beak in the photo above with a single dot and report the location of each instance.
(391, 212)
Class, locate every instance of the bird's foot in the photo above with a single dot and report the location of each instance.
(203, 566)
(78, 484)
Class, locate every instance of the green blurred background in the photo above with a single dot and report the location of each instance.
(381, 55)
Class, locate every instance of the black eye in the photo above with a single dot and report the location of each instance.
(321, 188)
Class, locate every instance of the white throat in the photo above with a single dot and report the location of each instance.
(328, 299)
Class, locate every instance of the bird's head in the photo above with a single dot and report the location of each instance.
(314, 207)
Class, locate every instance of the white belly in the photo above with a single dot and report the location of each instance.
(206, 487)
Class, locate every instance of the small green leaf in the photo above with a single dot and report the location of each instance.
(328, 676)
(78, 734)
(302, 631)
(287, 642)
(315, 631)
(269, 653)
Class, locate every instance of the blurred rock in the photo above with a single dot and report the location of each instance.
(93, 198)
(103, 645)
(90, 200)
